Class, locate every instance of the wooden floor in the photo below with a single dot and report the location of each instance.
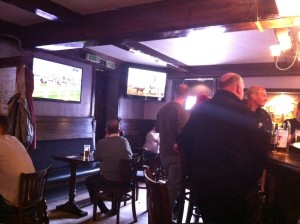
(60, 196)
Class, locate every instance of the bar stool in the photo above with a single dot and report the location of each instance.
(186, 194)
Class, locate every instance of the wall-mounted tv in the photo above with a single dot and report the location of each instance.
(146, 83)
(56, 81)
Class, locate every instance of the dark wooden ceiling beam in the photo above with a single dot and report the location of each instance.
(7, 28)
(138, 21)
(149, 51)
(63, 14)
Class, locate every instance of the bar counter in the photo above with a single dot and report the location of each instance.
(283, 186)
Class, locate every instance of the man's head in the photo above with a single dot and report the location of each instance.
(181, 93)
(202, 97)
(256, 97)
(4, 125)
(113, 127)
(232, 82)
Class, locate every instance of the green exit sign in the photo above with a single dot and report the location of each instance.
(92, 58)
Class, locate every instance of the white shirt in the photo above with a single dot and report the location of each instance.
(152, 142)
(14, 160)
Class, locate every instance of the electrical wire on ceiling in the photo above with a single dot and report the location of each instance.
(18, 41)
(295, 45)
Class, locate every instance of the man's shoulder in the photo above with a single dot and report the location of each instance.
(262, 111)
(171, 106)
(112, 138)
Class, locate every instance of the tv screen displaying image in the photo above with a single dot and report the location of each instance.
(55, 81)
(146, 83)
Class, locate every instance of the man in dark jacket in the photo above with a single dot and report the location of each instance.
(223, 153)
(256, 99)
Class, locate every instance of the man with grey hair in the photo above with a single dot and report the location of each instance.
(170, 121)
(256, 99)
(222, 153)
(109, 151)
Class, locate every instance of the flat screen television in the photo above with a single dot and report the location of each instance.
(145, 83)
(56, 81)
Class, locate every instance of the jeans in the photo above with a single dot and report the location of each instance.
(5, 208)
(172, 166)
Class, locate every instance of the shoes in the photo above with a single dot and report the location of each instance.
(105, 211)
(111, 213)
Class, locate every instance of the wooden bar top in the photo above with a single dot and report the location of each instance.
(290, 160)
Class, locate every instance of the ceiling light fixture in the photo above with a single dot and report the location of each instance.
(275, 50)
(63, 46)
(287, 44)
(46, 15)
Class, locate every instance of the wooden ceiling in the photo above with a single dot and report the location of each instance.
(128, 26)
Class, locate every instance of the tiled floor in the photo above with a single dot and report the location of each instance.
(60, 217)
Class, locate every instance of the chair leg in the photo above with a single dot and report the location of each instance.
(45, 218)
(181, 201)
(133, 206)
(137, 191)
(118, 204)
(189, 211)
(95, 210)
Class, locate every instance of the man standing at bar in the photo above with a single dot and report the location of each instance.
(224, 158)
(170, 121)
(256, 99)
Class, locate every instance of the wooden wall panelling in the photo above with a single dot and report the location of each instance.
(54, 128)
(135, 130)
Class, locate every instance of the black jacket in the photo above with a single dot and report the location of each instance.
(223, 146)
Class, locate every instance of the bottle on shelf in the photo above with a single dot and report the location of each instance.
(274, 137)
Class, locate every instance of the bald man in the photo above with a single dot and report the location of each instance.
(170, 121)
(224, 157)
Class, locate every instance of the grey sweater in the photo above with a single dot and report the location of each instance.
(109, 151)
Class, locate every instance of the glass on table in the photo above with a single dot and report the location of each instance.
(86, 151)
(297, 135)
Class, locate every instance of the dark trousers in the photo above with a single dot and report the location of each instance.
(5, 208)
(223, 209)
(93, 184)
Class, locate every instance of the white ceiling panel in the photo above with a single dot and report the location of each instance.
(225, 48)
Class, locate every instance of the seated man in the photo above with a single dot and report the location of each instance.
(14, 160)
(152, 141)
(109, 152)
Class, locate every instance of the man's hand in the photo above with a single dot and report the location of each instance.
(176, 148)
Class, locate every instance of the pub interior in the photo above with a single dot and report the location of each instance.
(104, 41)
